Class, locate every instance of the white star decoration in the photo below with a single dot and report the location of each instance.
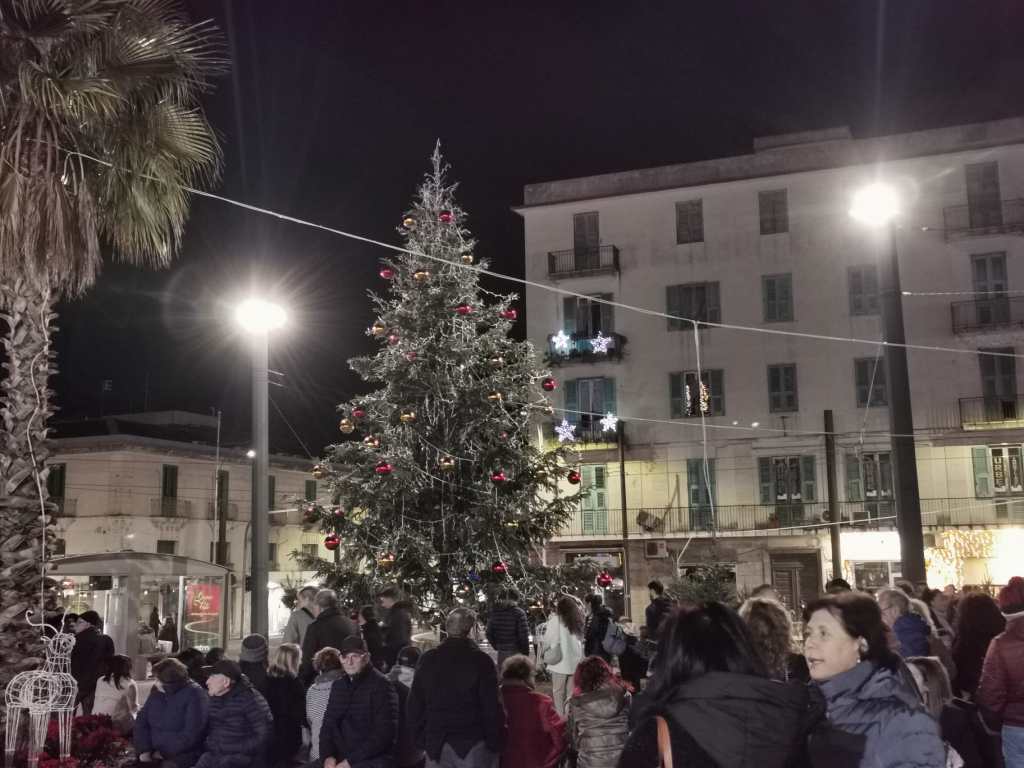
(566, 431)
(561, 341)
(600, 343)
(610, 422)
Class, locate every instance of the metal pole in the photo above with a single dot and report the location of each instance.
(221, 509)
(260, 507)
(833, 506)
(901, 419)
(625, 518)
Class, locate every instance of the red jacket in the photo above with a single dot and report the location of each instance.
(536, 732)
(1001, 691)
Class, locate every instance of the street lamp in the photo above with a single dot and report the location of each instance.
(878, 205)
(258, 317)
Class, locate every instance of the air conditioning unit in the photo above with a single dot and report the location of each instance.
(655, 549)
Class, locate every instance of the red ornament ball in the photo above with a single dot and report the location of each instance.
(548, 384)
(604, 579)
(310, 515)
(463, 309)
(498, 476)
(508, 314)
(499, 568)
(446, 217)
(393, 338)
(339, 512)
(410, 355)
(574, 476)
(332, 542)
(383, 468)
(387, 273)
(358, 413)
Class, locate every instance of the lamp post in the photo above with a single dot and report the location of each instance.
(877, 205)
(258, 318)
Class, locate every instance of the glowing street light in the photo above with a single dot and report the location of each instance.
(876, 204)
(260, 316)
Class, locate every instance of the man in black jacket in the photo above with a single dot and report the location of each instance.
(454, 706)
(596, 627)
(397, 623)
(328, 630)
(508, 630)
(92, 649)
(659, 607)
(360, 727)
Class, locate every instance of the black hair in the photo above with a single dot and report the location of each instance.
(861, 617)
(191, 657)
(656, 587)
(118, 667)
(214, 655)
(595, 600)
(368, 612)
(706, 638)
(837, 585)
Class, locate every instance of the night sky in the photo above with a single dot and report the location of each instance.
(333, 106)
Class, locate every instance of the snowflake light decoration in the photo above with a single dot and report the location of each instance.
(610, 422)
(561, 341)
(600, 344)
(566, 431)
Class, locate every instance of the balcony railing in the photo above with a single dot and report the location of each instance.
(578, 262)
(976, 220)
(65, 507)
(992, 412)
(580, 348)
(231, 508)
(993, 313)
(588, 434)
(170, 507)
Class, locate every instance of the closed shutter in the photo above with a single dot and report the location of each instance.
(714, 304)
(677, 402)
(854, 482)
(982, 475)
(169, 484)
(55, 481)
(716, 383)
(607, 315)
(808, 474)
(764, 479)
(674, 306)
(609, 396)
(569, 314)
(572, 402)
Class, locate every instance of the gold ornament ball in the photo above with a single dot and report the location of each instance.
(494, 397)
(409, 222)
(347, 426)
(447, 464)
(497, 361)
(318, 472)
(421, 275)
(467, 258)
(372, 440)
(378, 328)
(407, 417)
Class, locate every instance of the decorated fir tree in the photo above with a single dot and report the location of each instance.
(439, 483)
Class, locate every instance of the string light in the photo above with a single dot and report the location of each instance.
(600, 343)
(610, 422)
(560, 341)
(565, 431)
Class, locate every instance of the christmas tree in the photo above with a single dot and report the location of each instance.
(441, 485)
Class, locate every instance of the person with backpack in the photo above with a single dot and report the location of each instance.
(563, 648)
(599, 624)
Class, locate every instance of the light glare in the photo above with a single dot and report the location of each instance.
(260, 316)
(875, 205)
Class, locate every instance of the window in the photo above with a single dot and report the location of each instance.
(774, 209)
(777, 292)
(59, 547)
(696, 301)
(690, 222)
(271, 492)
(787, 483)
(310, 494)
(586, 402)
(700, 476)
(999, 384)
(713, 382)
(869, 479)
(166, 546)
(586, 240)
(585, 317)
(272, 554)
(594, 503)
(169, 482)
(782, 388)
(992, 307)
(984, 204)
(311, 550)
(863, 286)
(869, 380)
(55, 481)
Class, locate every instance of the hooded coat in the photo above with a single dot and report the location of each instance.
(876, 703)
(726, 720)
(599, 725)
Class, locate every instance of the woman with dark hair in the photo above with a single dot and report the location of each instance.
(870, 708)
(287, 701)
(940, 609)
(978, 620)
(116, 694)
(563, 648)
(711, 690)
(598, 715)
(373, 636)
(771, 629)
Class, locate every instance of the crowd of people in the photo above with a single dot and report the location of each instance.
(897, 679)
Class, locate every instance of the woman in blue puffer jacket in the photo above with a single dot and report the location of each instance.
(875, 719)
(240, 721)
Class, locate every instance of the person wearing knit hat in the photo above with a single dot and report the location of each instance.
(252, 659)
(240, 720)
(1001, 691)
(170, 726)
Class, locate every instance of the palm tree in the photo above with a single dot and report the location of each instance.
(100, 129)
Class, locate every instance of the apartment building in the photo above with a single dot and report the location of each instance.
(149, 482)
(765, 241)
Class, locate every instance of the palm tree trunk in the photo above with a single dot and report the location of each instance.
(27, 314)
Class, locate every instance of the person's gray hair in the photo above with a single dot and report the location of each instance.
(460, 622)
(897, 599)
(326, 598)
(309, 591)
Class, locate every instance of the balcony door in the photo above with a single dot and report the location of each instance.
(999, 384)
(984, 201)
(594, 504)
(701, 482)
(586, 240)
(788, 482)
(989, 273)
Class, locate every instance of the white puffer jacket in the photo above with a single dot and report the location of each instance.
(556, 633)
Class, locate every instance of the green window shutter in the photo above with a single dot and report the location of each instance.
(854, 482)
(695, 481)
(310, 490)
(674, 306)
(569, 314)
(764, 479)
(607, 315)
(169, 482)
(572, 403)
(982, 475)
(675, 395)
(271, 491)
(716, 383)
(808, 476)
(609, 395)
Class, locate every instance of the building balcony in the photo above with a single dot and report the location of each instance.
(580, 349)
(1005, 412)
(165, 507)
(582, 262)
(993, 314)
(588, 436)
(231, 508)
(1002, 217)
